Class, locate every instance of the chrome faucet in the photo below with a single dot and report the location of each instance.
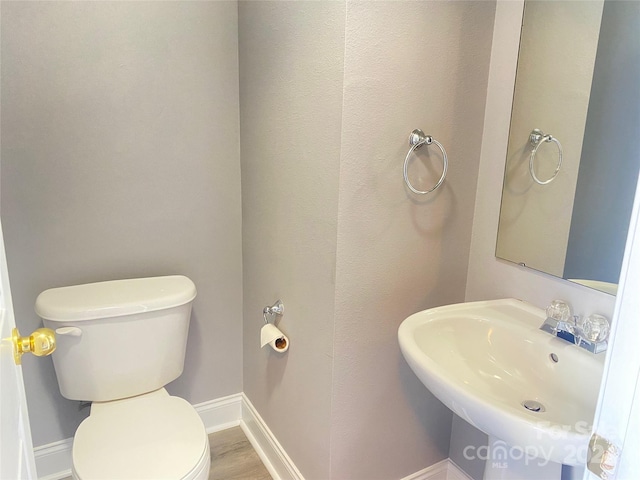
(551, 326)
(558, 317)
(590, 333)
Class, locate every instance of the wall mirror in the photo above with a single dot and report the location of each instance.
(566, 208)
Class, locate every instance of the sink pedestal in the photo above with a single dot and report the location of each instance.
(505, 462)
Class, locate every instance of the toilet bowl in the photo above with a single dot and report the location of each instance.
(119, 343)
(151, 436)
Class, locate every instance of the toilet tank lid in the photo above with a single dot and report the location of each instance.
(114, 298)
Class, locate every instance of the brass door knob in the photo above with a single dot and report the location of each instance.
(42, 342)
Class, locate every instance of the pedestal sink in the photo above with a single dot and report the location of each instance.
(532, 393)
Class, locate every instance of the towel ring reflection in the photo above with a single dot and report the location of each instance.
(537, 138)
(416, 140)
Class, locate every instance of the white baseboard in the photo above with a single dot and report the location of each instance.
(274, 457)
(437, 471)
(221, 413)
(53, 461)
(443, 470)
(454, 472)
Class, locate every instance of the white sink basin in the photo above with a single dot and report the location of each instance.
(483, 359)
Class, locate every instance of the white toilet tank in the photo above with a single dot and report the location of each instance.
(120, 338)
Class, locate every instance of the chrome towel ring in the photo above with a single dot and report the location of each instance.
(416, 140)
(537, 138)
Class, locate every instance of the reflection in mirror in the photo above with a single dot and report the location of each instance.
(577, 81)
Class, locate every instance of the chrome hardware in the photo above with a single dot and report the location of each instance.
(41, 342)
(558, 313)
(593, 347)
(550, 326)
(533, 406)
(577, 332)
(590, 333)
(417, 139)
(276, 309)
(536, 138)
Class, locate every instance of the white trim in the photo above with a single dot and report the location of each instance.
(454, 472)
(443, 470)
(53, 461)
(437, 471)
(615, 419)
(221, 413)
(274, 457)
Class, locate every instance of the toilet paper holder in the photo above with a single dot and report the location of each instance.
(277, 309)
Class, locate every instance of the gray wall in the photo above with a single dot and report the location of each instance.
(120, 158)
(326, 109)
(423, 66)
(291, 73)
(609, 164)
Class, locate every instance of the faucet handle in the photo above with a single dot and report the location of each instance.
(594, 328)
(559, 310)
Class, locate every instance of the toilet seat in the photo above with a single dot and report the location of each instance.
(152, 436)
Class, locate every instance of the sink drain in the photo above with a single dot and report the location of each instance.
(533, 406)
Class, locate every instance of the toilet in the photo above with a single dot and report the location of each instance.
(118, 344)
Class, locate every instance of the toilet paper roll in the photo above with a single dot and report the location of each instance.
(272, 336)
